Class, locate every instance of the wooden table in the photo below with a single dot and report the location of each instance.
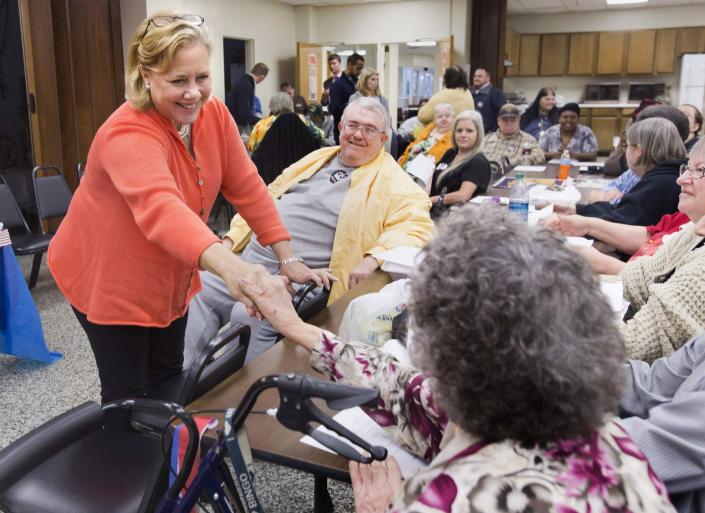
(270, 441)
(551, 171)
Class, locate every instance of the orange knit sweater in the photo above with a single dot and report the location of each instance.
(128, 250)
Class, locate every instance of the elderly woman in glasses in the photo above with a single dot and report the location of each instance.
(127, 254)
(663, 289)
(434, 140)
(510, 404)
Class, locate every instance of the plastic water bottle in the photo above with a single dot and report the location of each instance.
(519, 198)
(564, 166)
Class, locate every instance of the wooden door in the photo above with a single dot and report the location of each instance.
(640, 52)
(40, 68)
(529, 55)
(665, 52)
(554, 52)
(610, 53)
(581, 57)
(311, 64)
(74, 64)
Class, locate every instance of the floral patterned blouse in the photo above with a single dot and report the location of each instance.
(604, 472)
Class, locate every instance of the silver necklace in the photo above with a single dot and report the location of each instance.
(184, 131)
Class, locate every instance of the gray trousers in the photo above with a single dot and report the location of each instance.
(211, 309)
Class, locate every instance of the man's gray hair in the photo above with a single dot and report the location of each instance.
(281, 102)
(514, 330)
(373, 104)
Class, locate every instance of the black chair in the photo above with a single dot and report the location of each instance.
(27, 243)
(287, 141)
(51, 193)
(89, 460)
(74, 459)
(217, 360)
(81, 169)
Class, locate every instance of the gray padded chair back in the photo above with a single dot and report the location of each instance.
(51, 192)
(10, 214)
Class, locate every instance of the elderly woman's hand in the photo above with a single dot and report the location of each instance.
(563, 209)
(574, 225)
(274, 303)
(298, 272)
(375, 485)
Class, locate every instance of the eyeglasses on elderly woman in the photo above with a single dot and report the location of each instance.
(697, 173)
(163, 21)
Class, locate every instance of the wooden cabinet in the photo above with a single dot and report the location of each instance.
(554, 51)
(691, 40)
(512, 43)
(665, 51)
(610, 53)
(640, 52)
(605, 128)
(581, 56)
(529, 55)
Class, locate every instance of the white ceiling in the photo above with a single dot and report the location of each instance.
(554, 6)
(527, 6)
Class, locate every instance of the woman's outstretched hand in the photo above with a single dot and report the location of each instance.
(375, 485)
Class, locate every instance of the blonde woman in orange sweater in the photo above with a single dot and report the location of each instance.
(127, 254)
(435, 139)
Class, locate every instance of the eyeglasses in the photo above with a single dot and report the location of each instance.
(367, 131)
(163, 21)
(696, 174)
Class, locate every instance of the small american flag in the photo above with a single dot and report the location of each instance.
(5, 238)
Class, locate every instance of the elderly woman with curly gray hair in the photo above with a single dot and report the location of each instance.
(519, 371)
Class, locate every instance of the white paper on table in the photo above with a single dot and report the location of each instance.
(483, 199)
(422, 167)
(579, 241)
(530, 169)
(362, 425)
(537, 215)
(400, 260)
(591, 182)
(614, 291)
(592, 164)
(542, 194)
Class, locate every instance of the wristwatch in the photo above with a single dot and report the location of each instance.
(290, 260)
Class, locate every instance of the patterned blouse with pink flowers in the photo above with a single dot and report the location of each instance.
(604, 472)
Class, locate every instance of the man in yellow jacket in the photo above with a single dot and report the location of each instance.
(342, 206)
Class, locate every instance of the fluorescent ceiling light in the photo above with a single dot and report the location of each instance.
(619, 2)
(347, 53)
(415, 44)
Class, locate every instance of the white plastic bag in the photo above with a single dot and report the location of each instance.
(368, 318)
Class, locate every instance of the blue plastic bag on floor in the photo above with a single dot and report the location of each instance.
(20, 328)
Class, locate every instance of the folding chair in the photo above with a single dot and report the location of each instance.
(27, 243)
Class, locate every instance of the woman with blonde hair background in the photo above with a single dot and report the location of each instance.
(463, 172)
(368, 85)
(128, 252)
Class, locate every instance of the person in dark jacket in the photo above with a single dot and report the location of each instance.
(343, 88)
(655, 152)
(241, 97)
(488, 99)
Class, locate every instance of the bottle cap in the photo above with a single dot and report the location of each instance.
(520, 176)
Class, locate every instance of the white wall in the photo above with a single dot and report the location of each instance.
(269, 23)
(572, 88)
(389, 22)
(614, 19)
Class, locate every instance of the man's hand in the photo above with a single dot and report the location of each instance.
(298, 272)
(362, 271)
(375, 485)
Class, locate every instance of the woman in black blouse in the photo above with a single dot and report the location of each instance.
(463, 171)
